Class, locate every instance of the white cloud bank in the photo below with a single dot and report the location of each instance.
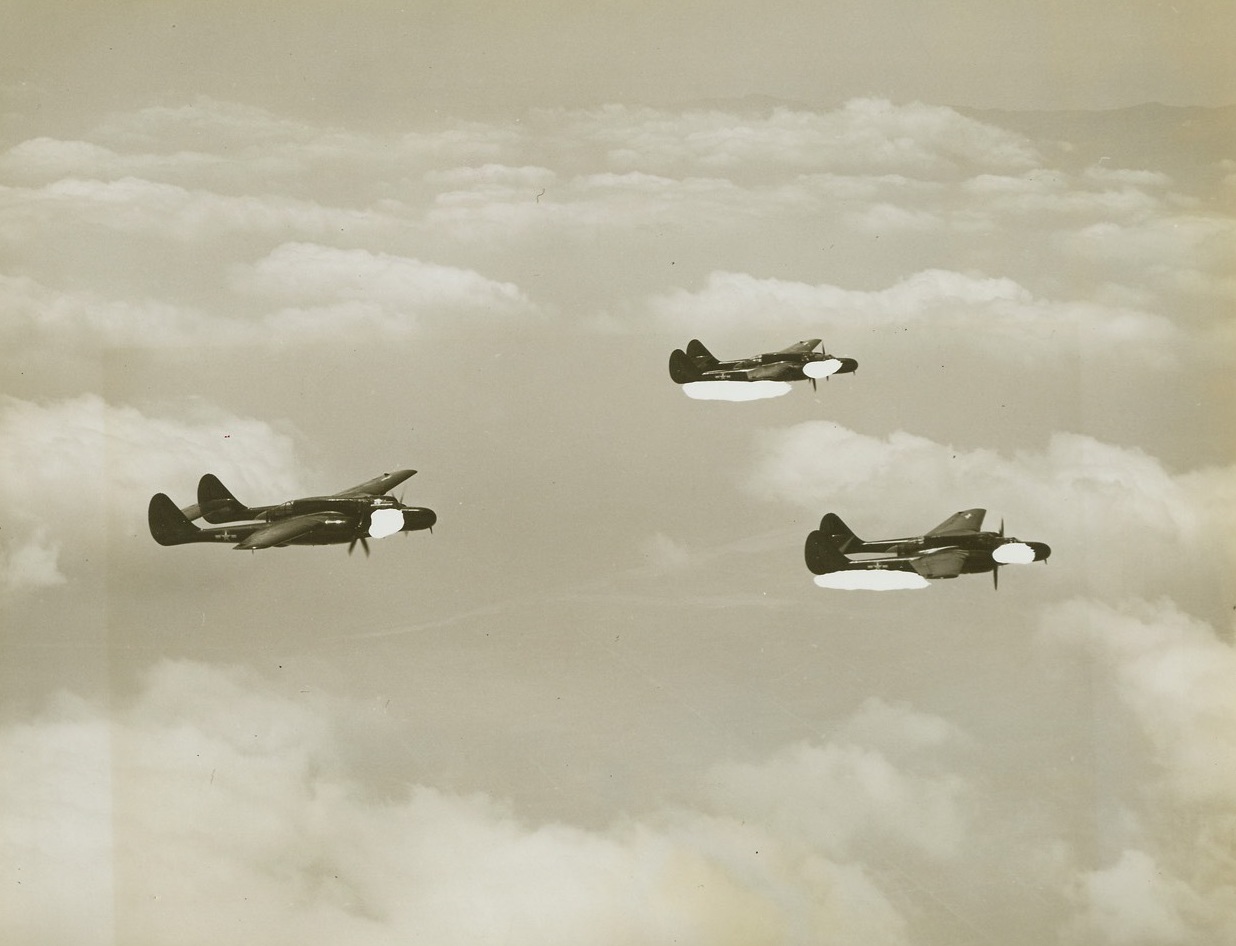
(213, 806)
(136, 206)
(299, 292)
(865, 135)
(1168, 875)
(327, 290)
(73, 469)
(204, 183)
(39, 316)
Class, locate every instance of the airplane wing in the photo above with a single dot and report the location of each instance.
(379, 484)
(940, 563)
(970, 520)
(285, 530)
(799, 348)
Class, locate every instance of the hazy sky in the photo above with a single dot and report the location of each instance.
(297, 245)
(380, 62)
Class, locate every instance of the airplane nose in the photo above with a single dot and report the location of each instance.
(847, 365)
(1041, 550)
(418, 518)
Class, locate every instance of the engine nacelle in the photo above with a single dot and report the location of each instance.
(416, 518)
(822, 369)
(1014, 553)
(384, 522)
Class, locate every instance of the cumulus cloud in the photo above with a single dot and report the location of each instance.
(298, 293)
(58, 158)
(1174, 674)
(863, 135)
(210, 171)
(138, 206)
(1185, 253)
(212, 788)
(37, 314)
(215, 785)
(34, 564)
(585, 205)
(1130, 902)
(229, 143)
(117, 456)
(500, 178)
(1066, 199)
(886, 777)
(1115, 517)
(204, 122)
(1171, 880)
(397, 287)
(618, 167)
(1006, 315)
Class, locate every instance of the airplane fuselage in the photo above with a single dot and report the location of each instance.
(334, 528)
(790, 360)
(353, 505)
(332, 531)
(971, 542)
(770, 358)
(799, 362)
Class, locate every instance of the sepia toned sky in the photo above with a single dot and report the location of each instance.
(297, 245)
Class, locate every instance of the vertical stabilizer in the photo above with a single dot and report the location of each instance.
(681, 369)
(702, 357)
(841, 535)
(168, 525)
(822, 555)
(217, 502)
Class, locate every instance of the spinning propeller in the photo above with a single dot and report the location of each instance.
(995, 572)
(364, 544)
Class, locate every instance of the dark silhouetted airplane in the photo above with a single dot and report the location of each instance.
(353, 515)
(798, 362)
(954, 547)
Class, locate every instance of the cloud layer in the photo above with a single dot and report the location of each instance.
(211, 783)
(1166, 874)
(978, 225)
(210, 786)
(997, 315)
